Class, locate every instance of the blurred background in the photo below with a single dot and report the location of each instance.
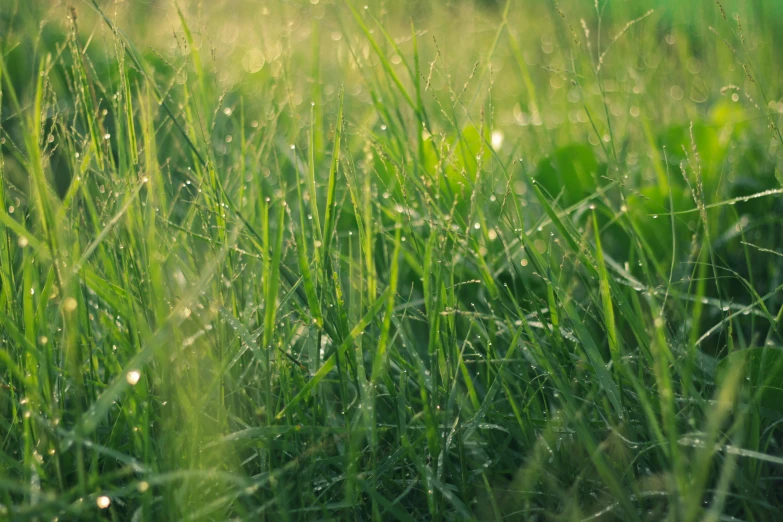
(674, 67)
(537, 75)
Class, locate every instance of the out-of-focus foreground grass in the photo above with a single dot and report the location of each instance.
(413, 260)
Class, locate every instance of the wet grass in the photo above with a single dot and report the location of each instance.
(402, 261)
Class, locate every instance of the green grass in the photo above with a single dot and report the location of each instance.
(416, 260)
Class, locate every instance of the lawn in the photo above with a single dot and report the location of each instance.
(402, 260)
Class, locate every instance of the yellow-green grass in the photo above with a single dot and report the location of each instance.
(416, 260)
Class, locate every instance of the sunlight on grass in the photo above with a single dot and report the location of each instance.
(415, 260)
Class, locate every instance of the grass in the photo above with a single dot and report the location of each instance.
(434, 260)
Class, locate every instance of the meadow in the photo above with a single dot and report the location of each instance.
(394, 260)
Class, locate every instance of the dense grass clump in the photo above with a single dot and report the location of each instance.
(409, 260)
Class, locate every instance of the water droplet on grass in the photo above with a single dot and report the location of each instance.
(70, 304)
(496, 139)
(133, 377)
